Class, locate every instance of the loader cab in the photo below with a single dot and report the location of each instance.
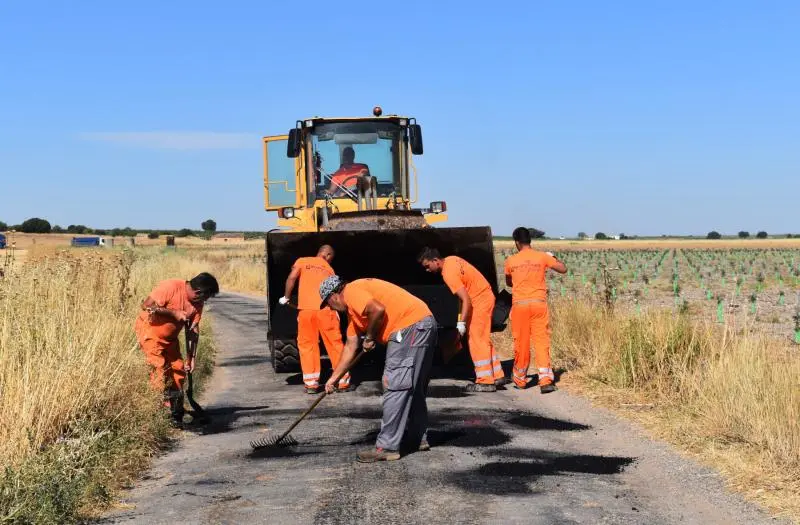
(326, 166)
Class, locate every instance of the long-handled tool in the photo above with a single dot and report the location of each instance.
(285, 440)
(191, 354)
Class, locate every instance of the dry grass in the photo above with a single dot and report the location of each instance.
(76, 414)
(730, 399)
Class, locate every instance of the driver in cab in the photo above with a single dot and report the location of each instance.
(348, 174)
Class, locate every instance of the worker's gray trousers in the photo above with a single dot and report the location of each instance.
(405, 381)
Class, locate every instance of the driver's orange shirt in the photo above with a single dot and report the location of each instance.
(345, 172)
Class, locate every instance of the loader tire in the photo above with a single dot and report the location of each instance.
(285, 356)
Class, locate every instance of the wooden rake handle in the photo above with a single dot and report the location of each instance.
(317, 401)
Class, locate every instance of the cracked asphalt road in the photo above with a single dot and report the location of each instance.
(511, 456)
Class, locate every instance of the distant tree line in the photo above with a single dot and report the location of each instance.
(743, 235)
(38, 225)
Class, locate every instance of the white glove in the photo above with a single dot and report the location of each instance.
(283, 300)
(461, 326)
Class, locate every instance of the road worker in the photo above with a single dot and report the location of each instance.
(348, 174)
(477, 303)
(385, 313)
(174, 304)
(313, 321)
(530, 318)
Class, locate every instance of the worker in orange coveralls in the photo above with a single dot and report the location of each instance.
(530, 317)
(313, 321)
(174, 304)
(477, 304)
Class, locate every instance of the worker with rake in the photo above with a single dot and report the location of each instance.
(174, 304)
(475, 320)
(530, 317)
(384, 313)
(313, 321)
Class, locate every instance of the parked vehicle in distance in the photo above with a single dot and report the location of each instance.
(2, 241)
(88, 241)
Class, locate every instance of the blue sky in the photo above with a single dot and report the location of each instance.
(635, 117)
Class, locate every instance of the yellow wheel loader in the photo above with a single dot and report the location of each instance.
(351, 182)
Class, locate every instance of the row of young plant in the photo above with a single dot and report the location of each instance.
(719, 275)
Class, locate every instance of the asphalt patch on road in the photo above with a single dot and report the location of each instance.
(274, 452)
(545, 423)
(468, 437)
(516, 477)
(245, 360)
(445, 391)
(221, 419)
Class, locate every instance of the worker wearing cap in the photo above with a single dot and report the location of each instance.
(477, 304)
(313, 321)
(530, 317)
(174, 304)
(385, 313)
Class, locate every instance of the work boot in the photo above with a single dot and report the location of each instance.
(176, 409)
(372, 455)
(312, 390)
(503, 381)
(424, 446)
(546, 389)
(479, 387)
(347, 388)
(517, 387)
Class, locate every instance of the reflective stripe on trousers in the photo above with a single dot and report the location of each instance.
(530, 325)
(481, 349)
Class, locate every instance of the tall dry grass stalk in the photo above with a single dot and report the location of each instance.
(238, 268)
(74, 397)
(729, 395)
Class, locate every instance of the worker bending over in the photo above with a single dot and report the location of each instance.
(313, 321)
(173, 305)
(477, 304)
(385, 313)
(530, 317)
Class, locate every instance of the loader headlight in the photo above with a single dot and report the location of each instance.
(286, 213)
(438, 206)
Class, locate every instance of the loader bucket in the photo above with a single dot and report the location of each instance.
(390, 255)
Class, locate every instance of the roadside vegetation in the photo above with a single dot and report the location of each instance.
(728, 395)
(77, 419)
(648, 340)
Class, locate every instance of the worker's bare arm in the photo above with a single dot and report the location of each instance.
(349, 352)
(291, 281)
(152, 307)
(466, 304)
(559, 267)
(375, 313)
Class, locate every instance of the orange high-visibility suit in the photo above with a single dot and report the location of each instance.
(159, 336)
(458, 273)
(313, 322)
(530, 316)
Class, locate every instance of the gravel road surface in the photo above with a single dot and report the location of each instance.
(506, 457)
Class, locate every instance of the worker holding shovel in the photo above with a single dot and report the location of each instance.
(174, 304)
(384, 313)
(313, 321)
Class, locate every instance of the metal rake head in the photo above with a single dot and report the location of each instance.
(273, 441)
